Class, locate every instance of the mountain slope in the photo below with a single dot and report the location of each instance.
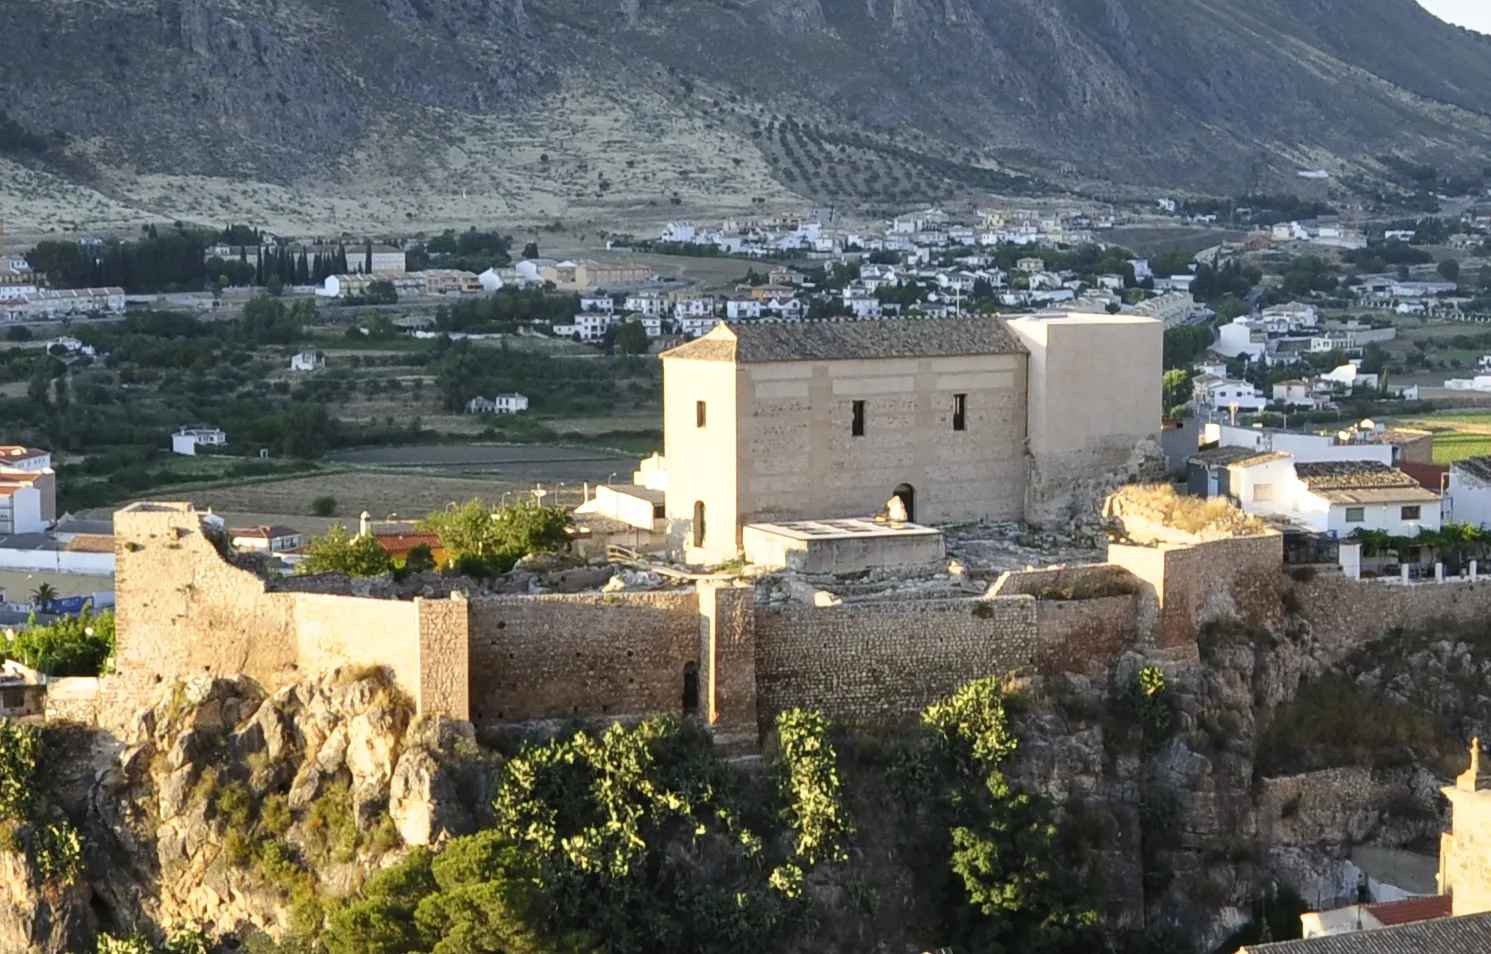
(540, 103)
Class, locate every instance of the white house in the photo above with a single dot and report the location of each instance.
(31, 460)
(188, 439)
(1293, 315)
(738, 308)
(1467, 495)
(266, 538)
(20, 509)
(597, 303)
(862, 306)
(784, 306)
(1295, 392)
(1242, 336)
(307, 361)
(592, 325)
(697, 325)
(1336, 497)
(1113, 282)
(693, 308)
(498, 404)
(650, 305)
(1175, 283)
(1224, 395)
(1030, 265)
(1350, 377)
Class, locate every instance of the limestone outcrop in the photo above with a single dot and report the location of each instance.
(224, 810)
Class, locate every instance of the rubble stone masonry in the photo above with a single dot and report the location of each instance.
(185, 611)
(591, 655)
(877, 660)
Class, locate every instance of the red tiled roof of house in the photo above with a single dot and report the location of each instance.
(91, 543)
(1412, 910)
(1429, 476)
(394, 542)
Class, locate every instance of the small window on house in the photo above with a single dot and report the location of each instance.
(1410, 513)
(1263, 493)
(857, 423)
(960, 412)
(659, 511)
(698, 523)
(1356, 514)
(698, 413)
(14, 700)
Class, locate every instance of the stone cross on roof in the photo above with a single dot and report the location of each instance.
(1467, 782)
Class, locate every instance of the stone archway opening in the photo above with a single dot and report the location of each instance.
(906, 494)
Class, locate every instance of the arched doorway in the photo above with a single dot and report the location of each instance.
(698, 523)
(907, 495)
(690, 689)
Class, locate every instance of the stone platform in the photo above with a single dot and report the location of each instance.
(841, 546)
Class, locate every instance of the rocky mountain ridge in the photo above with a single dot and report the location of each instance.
(836, 100)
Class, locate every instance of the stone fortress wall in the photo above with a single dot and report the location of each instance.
(185, 611)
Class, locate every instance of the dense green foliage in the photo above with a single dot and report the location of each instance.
(1184, 344)
(337, 551)
(992, 865)
(633, 841)
(72, 646)
(53, 848)
(491, 540)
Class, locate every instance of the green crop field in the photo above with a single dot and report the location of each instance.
(1458, 445)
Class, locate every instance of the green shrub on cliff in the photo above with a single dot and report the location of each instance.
(991, 864)
(629, 841)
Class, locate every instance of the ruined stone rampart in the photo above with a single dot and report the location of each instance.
(1341, 610)
(588, 654)
(1188, 586)
(874, 660)
(182, 610)
(185, 611)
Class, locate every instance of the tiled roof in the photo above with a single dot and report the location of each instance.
(751, 342)
(91, 543)
(1351, 475)
(394, 542)
(13, 452)
(1477, 467)
(1233, 456)
(1463, 935)
(1412, 910)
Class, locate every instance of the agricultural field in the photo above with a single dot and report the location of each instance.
(436, 477)
(1456, 436)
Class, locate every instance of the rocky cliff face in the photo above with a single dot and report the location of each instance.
(331, 776)
(1147, 91)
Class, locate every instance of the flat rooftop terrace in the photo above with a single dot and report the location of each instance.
(847, 529)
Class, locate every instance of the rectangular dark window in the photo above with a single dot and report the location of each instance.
(1411, 513)
(659, 511)
(698, 413)
(1356, 514)
(857, 425)
(960, 412)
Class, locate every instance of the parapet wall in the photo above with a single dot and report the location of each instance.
(875, 660)
(587, 655)
(183, 611)
(1191, 585)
